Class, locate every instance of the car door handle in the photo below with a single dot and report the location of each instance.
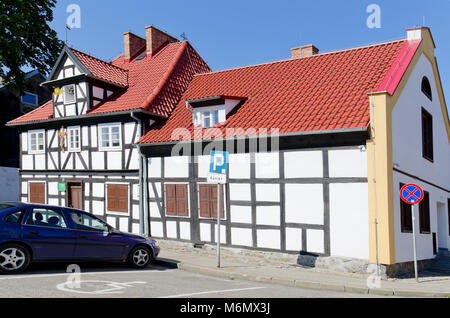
(34, 233)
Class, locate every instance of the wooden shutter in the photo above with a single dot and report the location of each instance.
(117, 197)
(171, 199)
(213, 204)
(182, 200)
(424, 213)
(37, 192)
(405, 215)
(205, 198)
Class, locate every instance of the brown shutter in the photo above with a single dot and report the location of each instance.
(213, 201)
(205, 197)
(117, 197)
(182, 200)
(171, 199)
(37, 192)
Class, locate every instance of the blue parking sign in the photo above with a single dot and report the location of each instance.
(218, 162)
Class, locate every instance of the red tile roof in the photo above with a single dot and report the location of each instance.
(154, 83)
(322, 92)
(103, 70)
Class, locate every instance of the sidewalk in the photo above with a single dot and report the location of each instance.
(260, 269)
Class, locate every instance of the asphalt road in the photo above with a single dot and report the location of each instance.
(50, 280)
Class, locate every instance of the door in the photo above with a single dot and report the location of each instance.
(94, 240)
(37, 192)
(74, 195)
(443, 223)
(47, 232)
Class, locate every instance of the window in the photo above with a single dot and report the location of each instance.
(14, 217)
(208, 200)
(117, 197)
(46, 217)
(87, 222)
(36, 192)
(110, 137)
(176, 200)
(29, 99)
(69, 94)
(426, 88)
(424, 213)
(207, 118)
(36, 141)
(73, 134)
(427, 135)
(405, 215)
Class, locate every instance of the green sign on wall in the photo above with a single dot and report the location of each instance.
(61, 186)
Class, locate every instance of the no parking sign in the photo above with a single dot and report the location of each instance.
(411, 193)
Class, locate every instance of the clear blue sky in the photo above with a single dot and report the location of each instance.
(234, 33)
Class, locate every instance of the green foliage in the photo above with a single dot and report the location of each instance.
(26, 39)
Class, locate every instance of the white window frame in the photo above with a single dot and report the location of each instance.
(100, 137)
(69, 131)
(35, 95)
(64, 88)
(129, 200)
(37, 132)
(199, 116)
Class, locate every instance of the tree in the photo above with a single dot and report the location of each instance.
(26, 39)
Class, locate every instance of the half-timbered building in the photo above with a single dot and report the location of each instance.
(79, 149)
(319, 145)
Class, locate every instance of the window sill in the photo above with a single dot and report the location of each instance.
(406, 231)
(110, 149)
(425, 232)
(36, 152)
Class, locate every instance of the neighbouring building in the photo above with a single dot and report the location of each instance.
(12, 105)
(319, 144)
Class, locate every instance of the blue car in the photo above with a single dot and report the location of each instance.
(35, 233)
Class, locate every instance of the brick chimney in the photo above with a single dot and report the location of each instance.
(156, 39)
(304, 51)
(132, 45)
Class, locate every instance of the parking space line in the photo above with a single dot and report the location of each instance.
(212, 292)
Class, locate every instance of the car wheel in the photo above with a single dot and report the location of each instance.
(13, 258)
(140, 257)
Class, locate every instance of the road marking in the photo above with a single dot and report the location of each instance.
(83, 273)
(212, 292)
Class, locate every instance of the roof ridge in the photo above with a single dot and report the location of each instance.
(291, 59)
(98, 59)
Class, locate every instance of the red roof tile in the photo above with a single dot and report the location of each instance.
(103, 70)
(323, 92)
(154, 83)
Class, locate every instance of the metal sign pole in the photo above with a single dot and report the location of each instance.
(218, 225)
(413, 212)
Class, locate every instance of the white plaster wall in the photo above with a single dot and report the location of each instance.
(135, 228)
(176, 167)
(10, 184)
(154, 167)
(94, 137)
(98, 207)
(171, 228)
(347, 163)
(156, 229)
(303, 164)
(268, 215)
(268, 239)
(268, 192)
(241, 236)
(98, 189)
(123, 224)
(424, 242)
(239, 166)
(407, 156)
(349, 220)
(304, 203)
(205, 232)
(240, 192)
(314, 241)
(241, 214)
(223, 237)
(185, 230)
(24, 141)
(203, 166)
(267, 165)
(114, 160)
(293, 239)
(27, 162)
(98, 160)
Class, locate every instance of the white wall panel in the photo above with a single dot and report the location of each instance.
(205, 232)
(27, 162)
(154, 211)
(268, 192)
(203, 166)
(241, 237)
(293, 239)
(268, 215)
(40, 161)
(239, 166)
(347, 163)
(98, 207)
(349, 220)
(154, 167)
(314, 241)
(171, 227)
(267, 165)
(114, 160)
(156, 229)
(304, 203)
(98, 190)
(129, 129)
(303, 164)
(123, 224)
(176, 167)
(223, 237)
(185, 230)
(268, 239)
(135, 228)
(241, 214)
(240, 192)
(24, 141)
(53, 188)
(94, 138)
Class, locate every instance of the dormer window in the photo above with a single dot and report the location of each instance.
(210, 111)
(206, 118)
(69, 94)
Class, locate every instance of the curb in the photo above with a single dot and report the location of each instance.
(295, 283)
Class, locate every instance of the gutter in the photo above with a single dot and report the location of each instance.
(143, 185)
(289, 134)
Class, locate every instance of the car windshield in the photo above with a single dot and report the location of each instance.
(4, 206)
